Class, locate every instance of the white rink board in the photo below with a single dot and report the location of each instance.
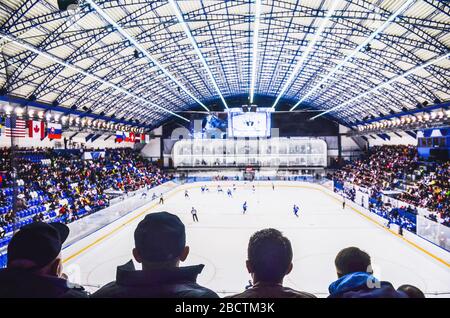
(220, 239)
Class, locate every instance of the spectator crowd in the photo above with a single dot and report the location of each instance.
(421, 184)
(63, 186)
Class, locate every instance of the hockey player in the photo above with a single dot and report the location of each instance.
(296, 209)
(154, 196)
(253, 188)
(230, 194)
(219, 189)
(194, 214)
(244, 207)
(161, 199)
(234, 187)
(186, 194)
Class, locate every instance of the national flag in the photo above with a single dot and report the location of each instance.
(36, 129)
(143, 139)
(120, 136)
(54, 131)
(127, 136)
(137, 138)
(147, 139)
(15, 127)
(132, 137)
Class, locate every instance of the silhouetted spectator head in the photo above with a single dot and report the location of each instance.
(352, 260)
(269, 256)
(411, 291)
(37, 248)
(160, 241)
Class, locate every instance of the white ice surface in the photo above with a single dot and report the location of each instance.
(220, 240)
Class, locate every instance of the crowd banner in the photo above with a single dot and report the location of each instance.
(93, 155)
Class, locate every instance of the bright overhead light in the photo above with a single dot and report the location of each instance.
(384, 84)
(306, 53)
(255, 49)
(8, 109)
(30, 112)
(349, 57)
(136, 44)
(77, 69)
(194, 44)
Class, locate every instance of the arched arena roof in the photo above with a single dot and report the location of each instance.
(149, 60)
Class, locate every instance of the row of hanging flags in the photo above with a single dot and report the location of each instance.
(124, 136)
(39, 130)
(35, 129)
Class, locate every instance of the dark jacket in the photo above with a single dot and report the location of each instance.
(19, 283)
(179, 282)
(262, 290)
(362, 285)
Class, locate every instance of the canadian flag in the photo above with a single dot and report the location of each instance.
(36, 129)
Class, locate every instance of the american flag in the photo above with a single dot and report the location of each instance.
(15, 127)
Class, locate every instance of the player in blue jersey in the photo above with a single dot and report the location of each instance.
(244, 207)
(230, 194)
(296, 209)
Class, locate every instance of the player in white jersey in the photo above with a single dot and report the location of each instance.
(186, 194)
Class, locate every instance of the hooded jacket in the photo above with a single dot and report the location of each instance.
(362, 285)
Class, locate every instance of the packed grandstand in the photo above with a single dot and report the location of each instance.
(224, 149)
(59, 186)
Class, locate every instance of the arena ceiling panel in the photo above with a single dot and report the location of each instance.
(150, 60)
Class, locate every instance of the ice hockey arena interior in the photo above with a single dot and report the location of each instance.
(225, 149)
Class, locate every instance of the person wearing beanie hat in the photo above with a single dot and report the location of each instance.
(34, 268)
(160, 246)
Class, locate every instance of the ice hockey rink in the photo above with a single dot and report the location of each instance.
(219, 240)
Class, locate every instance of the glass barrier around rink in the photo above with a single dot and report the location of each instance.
(263, 152)
(120, 207)
(434, 232)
